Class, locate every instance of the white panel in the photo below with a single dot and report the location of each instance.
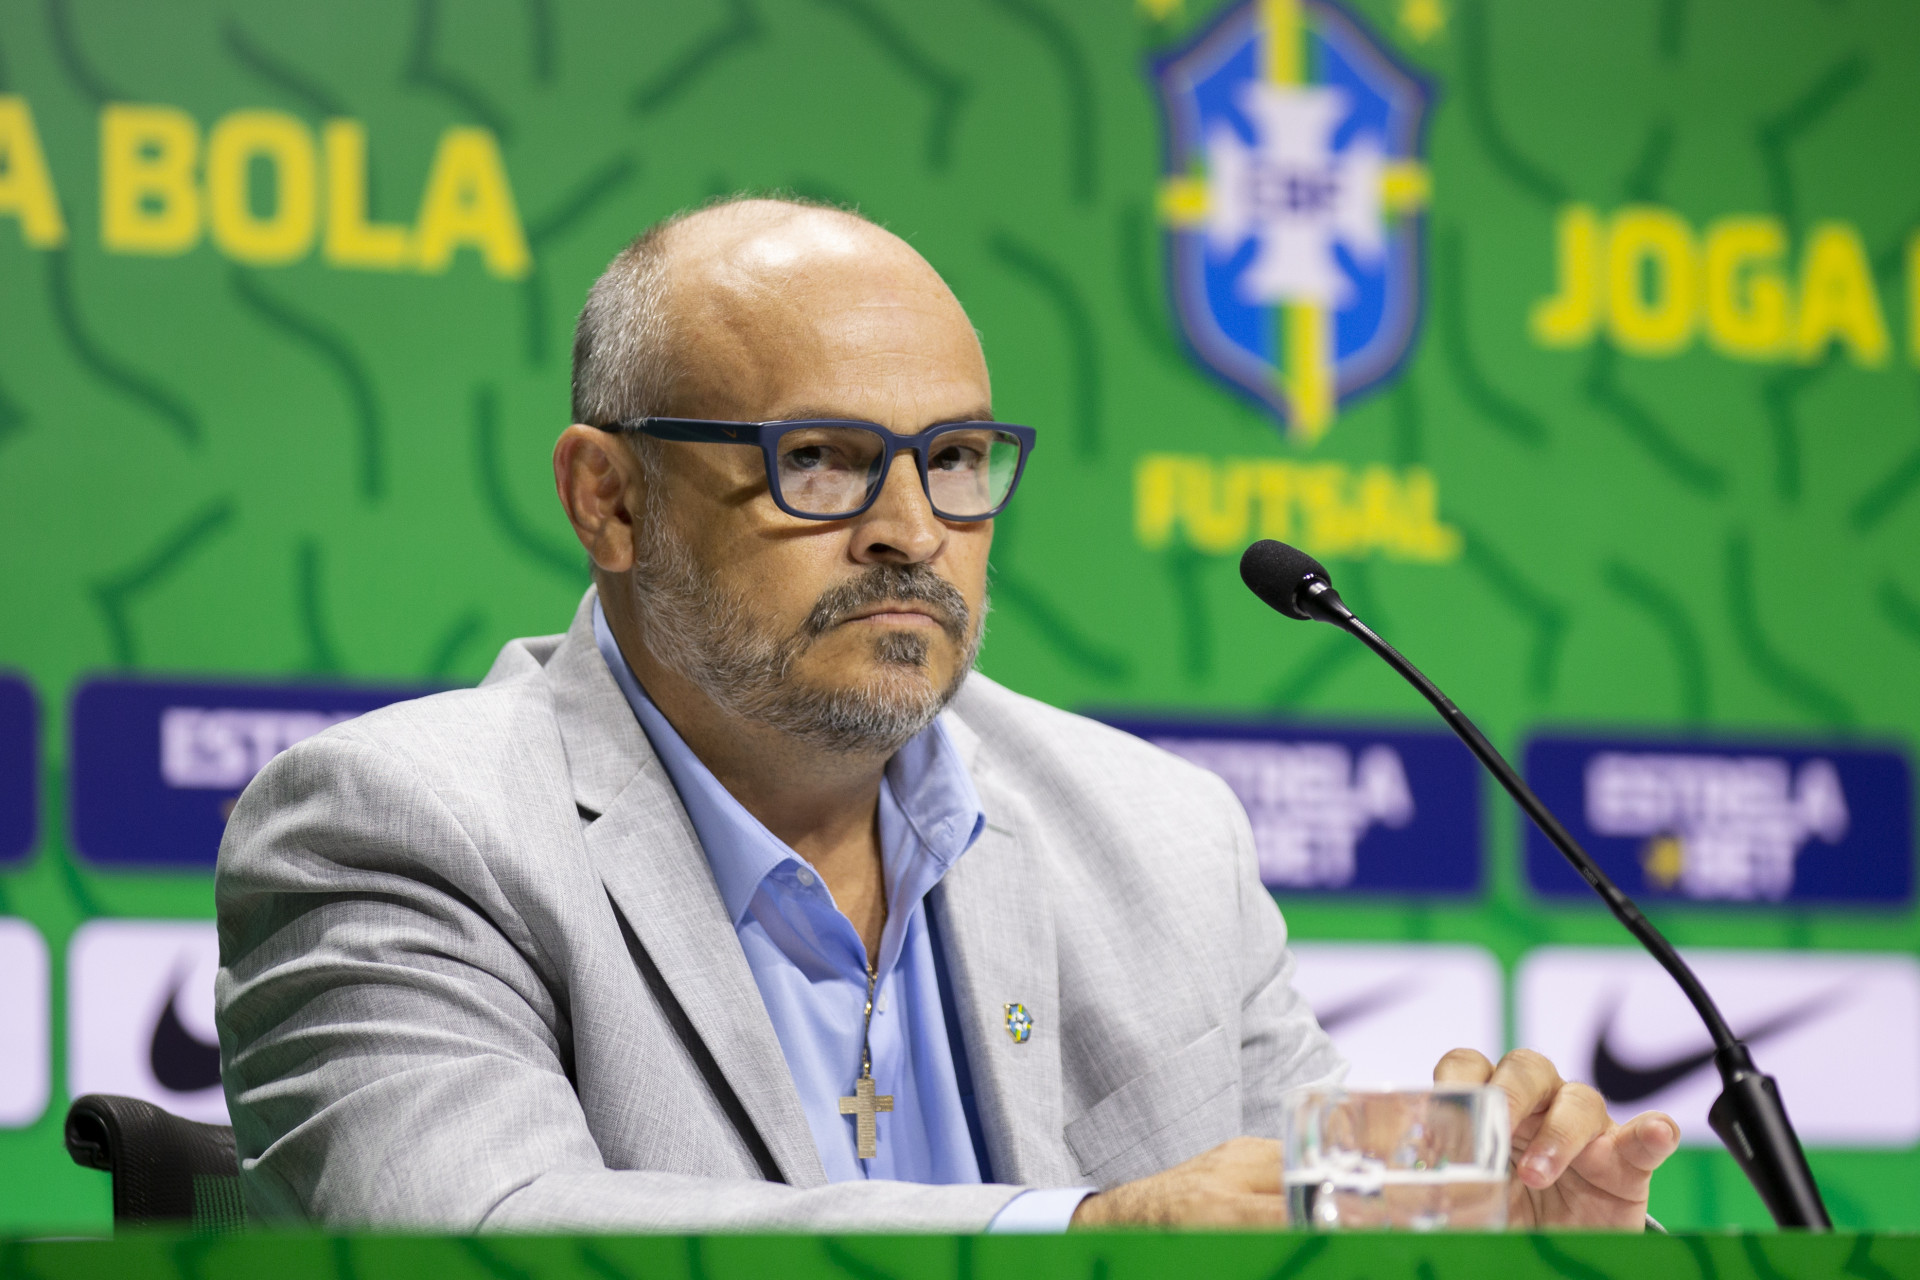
(25, 1052)
(1394, 1009)
(1840, 1032)
(140, 1014)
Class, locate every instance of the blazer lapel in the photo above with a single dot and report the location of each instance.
(644, 848)
(997, 929)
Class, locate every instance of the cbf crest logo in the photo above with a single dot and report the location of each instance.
(1293, 197)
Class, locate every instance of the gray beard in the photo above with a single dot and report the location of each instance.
(712, 639)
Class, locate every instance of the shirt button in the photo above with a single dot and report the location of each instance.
(805, 877)
(883, 1002)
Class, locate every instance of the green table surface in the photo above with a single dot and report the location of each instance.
(1090, 1256)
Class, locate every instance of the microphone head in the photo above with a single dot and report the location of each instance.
(1276, 572)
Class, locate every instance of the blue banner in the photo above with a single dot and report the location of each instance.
(19, 768)
(156, 766)
(1714, 821)
(1347, 809)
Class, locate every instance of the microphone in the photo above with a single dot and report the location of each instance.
(1749, 1116)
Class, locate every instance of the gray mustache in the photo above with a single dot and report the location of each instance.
(891, 584)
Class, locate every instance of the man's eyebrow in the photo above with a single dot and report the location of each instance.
(976, 414)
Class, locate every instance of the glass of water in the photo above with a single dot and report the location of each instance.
(1398, 1159)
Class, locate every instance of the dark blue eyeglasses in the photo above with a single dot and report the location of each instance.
(832, 468)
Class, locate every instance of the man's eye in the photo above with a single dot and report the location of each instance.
(956, 458)
(811, 458)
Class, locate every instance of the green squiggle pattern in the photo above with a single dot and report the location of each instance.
(1654, 437)
(314, 97)
(1785, 678)
(460, 633)
(742, 28)
(1076, 81)
(1668, 613)
(1642, 185)
(1476, 95)
(948, 89)
(1546, 615)
(1900, 609)
(116, 593)
(1776, 134)
(334, 352)
(424, 73)
(1186, 570)
(1450, 325)
(13, 419)
(66, 46)
(1058, 630)
(1076, 322)
(591, 191)
(1134, 234)
(1892, 489)
(566, 563)
(540, 40)
(1780, 396)
(136, 386)
(323, 655)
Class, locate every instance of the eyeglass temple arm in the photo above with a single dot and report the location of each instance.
(690, 431)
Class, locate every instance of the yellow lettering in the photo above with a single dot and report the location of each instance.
(1215, 505)
(1837, 299)
(26, 186)
(1424, 536)
(1913, 297)
(351, 240)
(1156, 497)
(468, 202)
(285, 145)
(1333, 511)
(1570, 317)
(149, 202)
(1651, 291)
(1273, 486)
(1745, 289)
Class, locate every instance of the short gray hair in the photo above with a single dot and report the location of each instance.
(625, 361)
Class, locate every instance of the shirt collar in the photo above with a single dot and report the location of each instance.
(926, 787)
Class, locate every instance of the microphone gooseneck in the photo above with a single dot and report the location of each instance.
(1749, 1116)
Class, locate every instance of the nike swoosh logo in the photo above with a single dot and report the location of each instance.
(181, 1061)
(1353, 1008)
(1623, 1082)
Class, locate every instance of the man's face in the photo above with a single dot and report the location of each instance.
(851, 633)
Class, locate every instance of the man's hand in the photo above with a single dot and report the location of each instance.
(1237, 1184)
(1573, 1167)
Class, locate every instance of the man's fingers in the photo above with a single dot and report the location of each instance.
(1530, 1081)
(1462, 1066)
(1645, 1142)
(1576, 1116)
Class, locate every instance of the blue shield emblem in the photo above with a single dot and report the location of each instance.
(1293, 197)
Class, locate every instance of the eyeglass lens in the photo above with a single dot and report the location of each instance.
(828, 471)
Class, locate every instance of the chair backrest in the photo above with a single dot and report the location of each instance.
(166, 1170)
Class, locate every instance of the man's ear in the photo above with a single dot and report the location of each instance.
(599, 481)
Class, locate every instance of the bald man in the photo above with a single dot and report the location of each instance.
(746, 903)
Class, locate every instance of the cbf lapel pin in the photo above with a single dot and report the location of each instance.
(1019, 1022)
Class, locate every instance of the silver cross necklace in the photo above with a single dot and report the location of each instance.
(863, 1106)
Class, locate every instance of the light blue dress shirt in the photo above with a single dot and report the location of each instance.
(811, 967)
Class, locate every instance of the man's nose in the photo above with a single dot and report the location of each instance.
(900, 527)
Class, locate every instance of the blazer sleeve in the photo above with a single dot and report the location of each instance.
(395, 1048)
(1282, 1047)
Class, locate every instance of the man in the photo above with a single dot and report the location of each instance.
(743, 904)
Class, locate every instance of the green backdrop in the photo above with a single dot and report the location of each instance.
(242, 445)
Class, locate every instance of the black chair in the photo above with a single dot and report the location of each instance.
(167, 1172)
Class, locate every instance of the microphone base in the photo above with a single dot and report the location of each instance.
(1751, 1120)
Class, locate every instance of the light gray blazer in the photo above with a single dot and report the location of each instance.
(475, 974)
